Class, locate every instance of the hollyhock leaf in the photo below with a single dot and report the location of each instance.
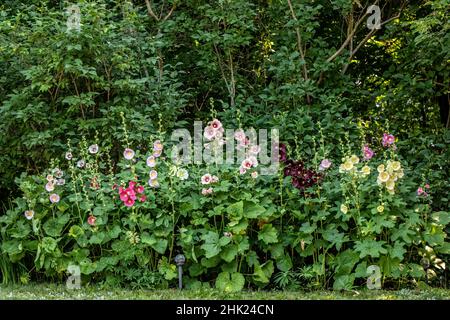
(76, 231)
(53, 227)
(253, 211)
(370, 248)
(63, 206)
(284, 263)
(236, 209)
(441, 217)
(97, 238)
(223, 241)
(361, 270)
(160, 246)
(344, 282)
(49, 244)
(268, 234)
(211, 262)
(229, 253)
(21, 230)
(277, 250)
(148, 239)
(211, 245)
(252, 259)
(345, 261)
(230, 282)
(263, 273)
(196, 269)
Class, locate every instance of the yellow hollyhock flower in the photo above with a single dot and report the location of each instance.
(380, 208)
(354, 159)
(344, 208)
(380, 168)
(390, 184)
(396, 165)
(400, 173)
(348, 165)
(365, 170)
(383, 176)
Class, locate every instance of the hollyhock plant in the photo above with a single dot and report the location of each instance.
(302, 178)
(214, 179)
(367, 152)
(215, 124)
(388, 139)
(129, 202)
(157, 153)
(254, 174)
(91, 220)
(50, 178)
(282, 152)
(128, 154)
(242, 170)
(142, 198)
(69, 156)
(207, 191)
(58, 173)
(246, 164)
(140, 189)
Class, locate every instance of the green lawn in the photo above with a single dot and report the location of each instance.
(39, 292)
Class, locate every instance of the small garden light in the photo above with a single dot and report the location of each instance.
(180, 260)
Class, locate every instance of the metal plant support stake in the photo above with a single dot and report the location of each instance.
(180, 260)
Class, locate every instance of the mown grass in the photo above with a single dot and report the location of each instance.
(58, 292)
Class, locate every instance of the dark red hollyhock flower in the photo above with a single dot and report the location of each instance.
(282, 152)
(302, 178)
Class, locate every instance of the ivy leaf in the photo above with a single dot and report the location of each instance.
(268, 234)
(230, 282)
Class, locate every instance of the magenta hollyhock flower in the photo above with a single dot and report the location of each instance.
(131, 184)
(420, 191)
(129, 202)
(368, 153)
(140, 189)
(388, 139)
(123, 196)
(427, 186)
(282, 152)
(142, 198)
(91, 220)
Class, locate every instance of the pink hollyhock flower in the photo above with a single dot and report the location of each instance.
(325, 164)
(388, 139)
(157, 153)
(131, 194)
(254, 150)
(153, 174)
(29, 214)
(245, 142)
(214, 179)
(153, 183)
(368, 153)
(123, 196)
(91, 220)
(129, 202)
(206, 192)
(209, 133)
(206, 179)
(246, 164)
(60, 182)
(54, 198)
(151, 161)
(140, 189)
(69, 155)
(253, 160)
(49, 187)
(242, 170)
(420, 191)
(216, 124)
(427, 186)
(142, 198)
(128, 154)
(157, 146)
(254, 174)
(131, 184)
(239, 135)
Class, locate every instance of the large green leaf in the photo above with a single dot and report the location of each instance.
(268, 234)
(230, 282)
